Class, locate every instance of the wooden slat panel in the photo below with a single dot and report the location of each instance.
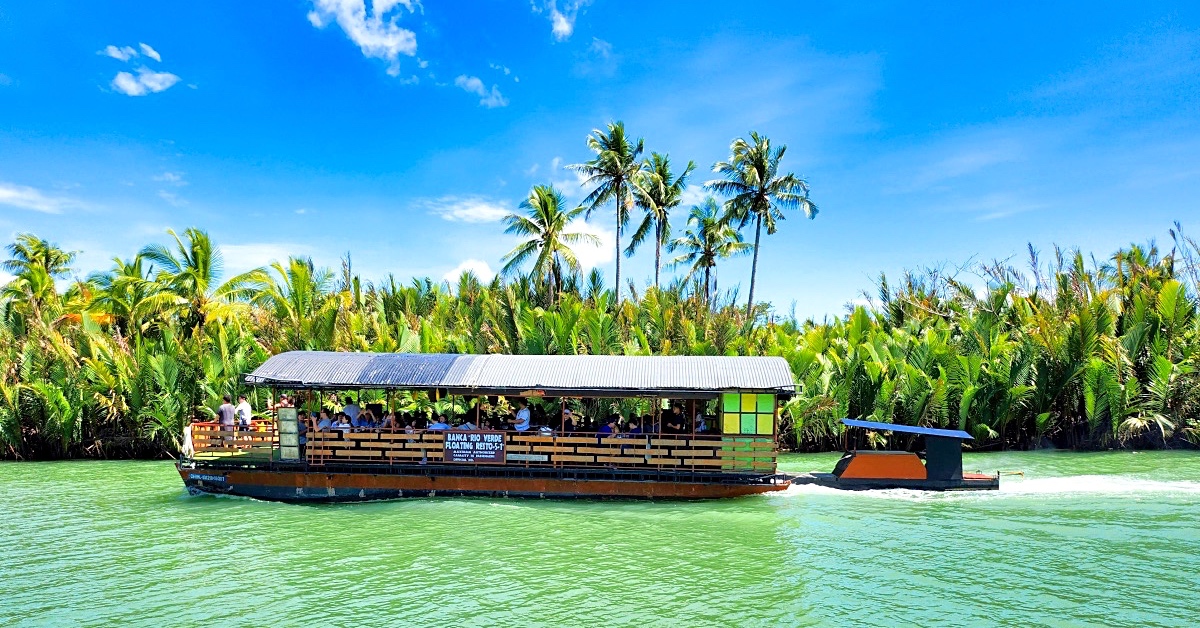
(531, 439)
(433, 437)
(703, 462)
(694, 453)
(621, 459)
(398, 436)
(604, 451)
(518, 448)
(432, 455)
(424, 446)
(664, 461)
(362, 436)
(571, 458)
(575, 439)
(669, 442)
(553, 449)
(360, 453)
(724, 453)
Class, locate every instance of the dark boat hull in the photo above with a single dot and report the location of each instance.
(970, 482)
(300, 485)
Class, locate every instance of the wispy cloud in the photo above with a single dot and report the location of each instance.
(593, 255)
(146, 81)
(150, 52)
(473, 85)
(172, 178)
(5, 80)
(562, 20)
(240, 258)
(123, 53)
(481, 269)
(597, 60)
(33, 199)
(468, 209)
(172, 198)
(375, 32)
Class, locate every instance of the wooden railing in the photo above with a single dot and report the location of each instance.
(211, 441)
(648, 451)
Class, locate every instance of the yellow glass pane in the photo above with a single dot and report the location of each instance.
(749, 403)
(766, 423)
(730, 423)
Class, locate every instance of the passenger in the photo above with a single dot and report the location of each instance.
(520, 420)
(410, 427)
(301, 426)
(243, 412)
(673, 421)
(343, 423)
(701, 425)
(439, 424)
(635, 426)
(284, 401)
(568, 422)
(366, 419)
(389, 421)
(467, 425)
(325, 422)
(352, 410)
(225, 416)
(610, 428)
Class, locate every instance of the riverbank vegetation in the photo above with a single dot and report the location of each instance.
(1071, 351)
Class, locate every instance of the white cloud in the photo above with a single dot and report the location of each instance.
(589, 255)
(30, 198)
(376, 34)
(173, 178)
(562, 21)
(240, 258)
(693, 194)
(468, 209)
(501, 68)
(4, 278)
(124, 53)
(481, 269)
(472, 84)
(171, 198)
(5, 80)
(150, 52)
(147, 81)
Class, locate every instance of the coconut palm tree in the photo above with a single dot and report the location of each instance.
(615, 172)
(663, 191)
(757, 191)
(192, 271)
(545, 223)
(707, 240)
(299, 298)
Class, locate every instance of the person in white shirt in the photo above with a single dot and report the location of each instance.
(351, 410)
(520, 420)
(243, 411)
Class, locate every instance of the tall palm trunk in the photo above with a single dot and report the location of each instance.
(620, 206)
(754, 266)
(707, 289)
(658, 228)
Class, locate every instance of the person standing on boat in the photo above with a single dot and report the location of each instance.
(243, 412)
(520, 421)
(225, 416)
(351, 410)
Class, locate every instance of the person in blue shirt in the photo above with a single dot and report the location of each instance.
(439, 424)
(324, 422)
(610, 427)
(520, 420)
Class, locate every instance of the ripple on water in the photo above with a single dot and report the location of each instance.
(1075, 542)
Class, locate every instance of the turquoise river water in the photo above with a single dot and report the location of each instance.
(1083, 539)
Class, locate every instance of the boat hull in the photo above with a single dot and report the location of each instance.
(346, 486)
(969, 482)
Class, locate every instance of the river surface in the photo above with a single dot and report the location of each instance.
(1082, 539)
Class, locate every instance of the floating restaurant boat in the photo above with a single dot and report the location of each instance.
(276, 460)
(940, 468)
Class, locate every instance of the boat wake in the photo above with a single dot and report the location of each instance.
(1017, 487)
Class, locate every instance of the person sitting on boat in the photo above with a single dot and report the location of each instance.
(635, 425)
(389, 421)
(351, 410)
(343, 423)
(568, 420)
(366, 419)
(439, 424)
(467, 425)
(520, 420)
(610, 429)
(324, 422)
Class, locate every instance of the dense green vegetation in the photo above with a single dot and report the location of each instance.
(1076, 352)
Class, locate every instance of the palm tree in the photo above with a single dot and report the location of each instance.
(29, 252)
(545, 222)
(129, 295)
(707, 240)
(615, 171)
(756, 191)
(663, 191)
(299, 298)
(191, 272)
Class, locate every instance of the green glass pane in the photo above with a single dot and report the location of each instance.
(749, 403)
(766, 403)
(748, 426)
(766, 423)
(731, 402)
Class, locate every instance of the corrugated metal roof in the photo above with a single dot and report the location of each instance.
(551, 373)
(909, 429)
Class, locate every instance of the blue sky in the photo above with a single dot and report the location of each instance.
(401, 133)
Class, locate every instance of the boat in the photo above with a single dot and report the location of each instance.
(938, 468)
(284, 457)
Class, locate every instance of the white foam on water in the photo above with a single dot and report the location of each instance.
(1015, 487)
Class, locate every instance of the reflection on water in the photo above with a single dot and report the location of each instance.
(1080, 539)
